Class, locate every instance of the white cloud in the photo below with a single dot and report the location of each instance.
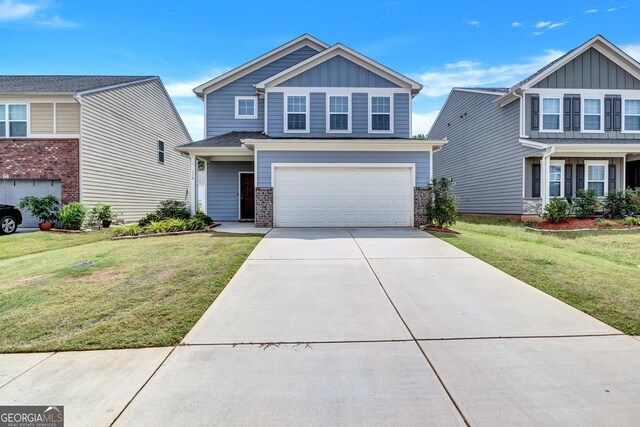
(461, 64)
(633, 50)
(422, 122)
(57, 22)
(516, 24)
(542, 24)
(538, 33)
(14, 11)
(591, 11)
(474, 23)
(614, 9)
(34, 13)
(558, 25)
(439, 83)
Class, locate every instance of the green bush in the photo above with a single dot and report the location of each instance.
(557, 210)
(633, 200)
(173, 209)
(72, 216)
(44, 208)
(586, 204)
(148, 220)
(604, 222)
(441, 206)
(204, 217)
(102, 212)
(155, 227)
(173, 225)
(631, 220)
(127, 230)
(195, 223)
(615, 204)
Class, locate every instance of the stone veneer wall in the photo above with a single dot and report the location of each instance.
(421, 196)
(264, 207)
(531, 206)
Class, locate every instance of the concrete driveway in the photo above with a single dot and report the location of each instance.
(366, 327)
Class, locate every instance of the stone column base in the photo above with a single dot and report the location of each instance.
(532, 206)
(264, 207)
(421, 197)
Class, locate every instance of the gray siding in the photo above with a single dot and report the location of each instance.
(119, 160)
(483, 155)
(222, 189)
(337, 72)
(266, 158)
(359, 111)
(591, 70)
(221, 103)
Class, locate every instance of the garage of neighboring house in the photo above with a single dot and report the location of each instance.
(12, 190)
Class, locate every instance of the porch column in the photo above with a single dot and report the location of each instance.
(544, 181)
(193, 183)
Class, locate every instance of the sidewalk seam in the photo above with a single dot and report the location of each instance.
(27, 370)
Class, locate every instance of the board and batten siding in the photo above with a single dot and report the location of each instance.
(121, 128)
(222, 189)
(483, 154)
(266, 158)
(359, 119)
(220, 104)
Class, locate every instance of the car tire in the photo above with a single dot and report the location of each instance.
(8, 225)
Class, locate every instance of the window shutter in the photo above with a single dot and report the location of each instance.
(567, 113)
(576, 112)
(579, 176)
(612, 177)
(535, 179)
(568, 180)
(617, 113)
(535, 113)
(608, 113)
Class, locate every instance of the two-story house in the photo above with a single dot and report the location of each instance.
(311, 135)
(91, 139)
(573, 124)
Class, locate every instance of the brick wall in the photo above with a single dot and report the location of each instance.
(264, 207)
(54, 159)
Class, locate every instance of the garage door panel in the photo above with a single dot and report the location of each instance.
(11, 191)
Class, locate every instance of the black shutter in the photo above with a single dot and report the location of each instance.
(535, 179)
(579, 177)
(617, 113)
(576, 112)
(566, 109)
(568, 180)
(535, 113)
(612, 177)
(608, 113)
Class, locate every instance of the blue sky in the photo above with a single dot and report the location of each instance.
(440, 44)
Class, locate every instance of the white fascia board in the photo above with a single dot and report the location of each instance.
(348, 53)
(533, 144)
(600, 149)
(272, 55)
(351, 145)
(102, 89)
(215, 151)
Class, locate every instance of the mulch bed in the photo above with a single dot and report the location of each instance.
(441, 230)
(575, 224)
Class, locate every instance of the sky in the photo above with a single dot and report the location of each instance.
(441, 44)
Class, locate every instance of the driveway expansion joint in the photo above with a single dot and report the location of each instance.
(28, 369)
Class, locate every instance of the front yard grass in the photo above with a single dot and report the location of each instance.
(138, 293)
(596, 272)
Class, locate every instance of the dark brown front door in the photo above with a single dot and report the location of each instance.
(246, 196)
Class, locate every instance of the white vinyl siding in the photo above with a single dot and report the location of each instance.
(67, 118)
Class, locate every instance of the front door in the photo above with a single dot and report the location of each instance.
(247, 210)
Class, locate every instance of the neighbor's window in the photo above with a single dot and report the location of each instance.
(297, 113)
(550, 113)
(339, 113)
(592, 114)
(246, 107)
(632, 114)
(380, 113)
(13, 120)
(597, 177)
(555, 179)
(160, 152)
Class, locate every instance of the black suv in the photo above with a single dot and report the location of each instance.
(10, 219)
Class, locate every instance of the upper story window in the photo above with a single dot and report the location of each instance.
(297, 114)
(592, 115)
(597, 176)
(380, 107)
(550, 114)
(13, 120)
(246, 107)
(160, 152)
(339, 120)
(631, 115)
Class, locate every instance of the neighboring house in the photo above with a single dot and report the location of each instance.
(573, 124)
(91, 139)
(309, 135)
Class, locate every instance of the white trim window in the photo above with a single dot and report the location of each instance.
(556, 178)
(339, 113)
(597, 172)
(631, 113)
(297, 114)
(246, 107)
(381, 117)
(551, 115)
(13, 121)
(592, 115)
(161, 152)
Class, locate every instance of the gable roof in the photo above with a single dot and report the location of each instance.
(598, 42)
(63, 84)
(230, 139)
(345, 52)
(261, 61)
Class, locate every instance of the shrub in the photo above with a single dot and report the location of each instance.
(633, 200)
(175, 225)
(173, 209)
(631, 220)
(72, 216)
(154, 227)
(204, 217)
(148, 220)
(196, 223)
(604, 222)
(586, 204)
(44, 208)
(127, 230)
(102, 212)
(557, 210)
(441, 207)
(615, 204)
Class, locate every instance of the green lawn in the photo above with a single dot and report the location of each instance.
(138, 293)
(596, 272)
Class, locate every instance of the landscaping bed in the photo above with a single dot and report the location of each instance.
(584, 224)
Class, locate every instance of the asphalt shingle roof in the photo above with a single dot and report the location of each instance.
(61, 84)
(231, 139)
(489, 89)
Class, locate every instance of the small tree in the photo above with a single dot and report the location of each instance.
(615, 204)
(586, 204)
(557, 210)
(441, 206)
(44, 208)
(173, 209)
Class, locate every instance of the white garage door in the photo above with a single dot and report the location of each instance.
(338, 196)
(12, 190)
